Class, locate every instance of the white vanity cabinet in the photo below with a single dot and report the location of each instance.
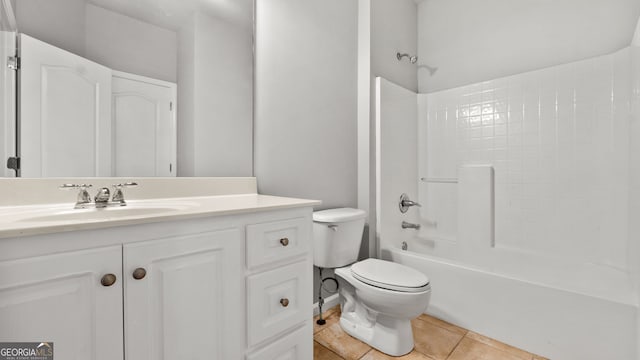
(181, 297)
(187, 289)
(59, 298)
(279, 290)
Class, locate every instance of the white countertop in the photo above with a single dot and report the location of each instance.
(27, 220)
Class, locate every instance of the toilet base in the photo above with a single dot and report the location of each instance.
(389, 335)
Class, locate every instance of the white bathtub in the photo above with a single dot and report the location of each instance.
(546, 320)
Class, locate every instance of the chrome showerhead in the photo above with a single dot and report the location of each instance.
(412, 59)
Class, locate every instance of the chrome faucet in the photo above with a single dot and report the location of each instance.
(405, 203)
(101, 200)
(407, 225)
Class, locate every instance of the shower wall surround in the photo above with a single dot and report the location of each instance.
(558, 139)
(562, 252)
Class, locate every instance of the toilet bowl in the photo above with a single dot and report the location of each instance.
(378, 298)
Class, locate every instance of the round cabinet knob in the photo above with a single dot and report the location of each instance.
(139, 273)
(284, 302)
(284, 241)
(108, 280)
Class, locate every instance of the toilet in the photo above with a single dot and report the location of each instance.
(378, 298)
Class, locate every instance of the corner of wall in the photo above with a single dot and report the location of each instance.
(634, 176)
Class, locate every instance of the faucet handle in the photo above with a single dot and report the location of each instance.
(118, 195)
(83, 196)
(405, 203)
(75, 186)
(124, 185)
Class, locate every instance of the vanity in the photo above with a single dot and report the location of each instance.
(211, 271)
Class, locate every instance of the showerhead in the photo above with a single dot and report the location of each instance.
(412, 59)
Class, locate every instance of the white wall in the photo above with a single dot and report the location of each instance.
(224, 98)
(60, 23)
(634, 172)
(366, 126)
(7, 103)
(471, 41)
(306, 100)
(394, 29)
(108, 38)
(130, 45)
(186, 99)
(215, 99)
(305, 115)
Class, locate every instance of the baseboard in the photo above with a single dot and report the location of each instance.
(329, 302)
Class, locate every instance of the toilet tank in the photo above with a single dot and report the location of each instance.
(337, 234)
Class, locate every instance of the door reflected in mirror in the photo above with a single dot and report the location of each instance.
(134, 88)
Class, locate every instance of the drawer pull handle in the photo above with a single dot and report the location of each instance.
(139, 273)
(108, 280)
(284, 241)
(284, 302)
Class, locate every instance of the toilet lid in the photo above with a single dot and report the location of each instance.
(389, 275)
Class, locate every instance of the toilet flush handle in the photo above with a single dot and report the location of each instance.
(333, 227)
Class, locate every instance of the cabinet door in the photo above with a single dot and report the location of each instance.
(59, 298)
(189, 304)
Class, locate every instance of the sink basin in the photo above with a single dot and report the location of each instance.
(115, 212)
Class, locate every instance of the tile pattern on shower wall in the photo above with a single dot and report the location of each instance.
(558, 139)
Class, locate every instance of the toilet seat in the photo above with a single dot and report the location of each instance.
(389, 275)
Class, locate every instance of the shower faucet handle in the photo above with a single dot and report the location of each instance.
(410, 203)
(405, 203)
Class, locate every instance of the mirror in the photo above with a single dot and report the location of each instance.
(134, 87)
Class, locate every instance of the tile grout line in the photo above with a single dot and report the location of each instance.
(464, 334)
(423, 354)
(529, 357)
(338, 355)
(365, 354)
(457, 344)
(466, 331)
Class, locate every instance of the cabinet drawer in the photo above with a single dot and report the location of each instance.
(295, 346)
(277, 300)
(277, 240)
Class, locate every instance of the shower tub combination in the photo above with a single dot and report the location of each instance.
(545, 319)
(518, 238)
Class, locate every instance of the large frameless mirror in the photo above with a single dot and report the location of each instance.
(127, 88)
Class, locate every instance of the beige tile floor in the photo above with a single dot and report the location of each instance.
(434, 340)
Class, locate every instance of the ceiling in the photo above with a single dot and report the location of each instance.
(172, 14)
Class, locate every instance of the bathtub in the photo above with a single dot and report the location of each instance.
(539, 316)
